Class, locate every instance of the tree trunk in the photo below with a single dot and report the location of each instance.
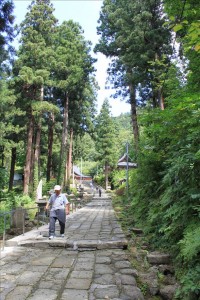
(2, 156)
(63, 150)
(161, 99)
(31, 178)
(12, 167)
(69, 159)
(134, 117)
(27, 167)
(155, 104)
(106, 175)
(36, 166)
(50, 145)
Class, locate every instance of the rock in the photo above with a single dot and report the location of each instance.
(157, 258)
(137, 230)
(144, 247)
(11, 231)
(166, 269)
(132, 292)
(150, 279)
(34, 222)
(167, 292)
(169, 280)
(153, 271)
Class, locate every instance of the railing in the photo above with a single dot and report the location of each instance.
(76, 204)
(8, 217)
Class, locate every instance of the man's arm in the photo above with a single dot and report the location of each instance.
(67, 208)
(48, 203)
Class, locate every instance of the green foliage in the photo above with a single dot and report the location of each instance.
(74, 191)
(8, 113)
(72, 77)
(118, 176)
(48, 186)
(6, 29)
(23, 200)
(52, 66)
(121, 191)
(166, 200)
(184, 20)
(84, 146)
(13, 200)
(106, 136)
(143, 287)
(3, 180)
(89, 168)
(190, 244)
(133, 35)
(190, 283)
(100, 180)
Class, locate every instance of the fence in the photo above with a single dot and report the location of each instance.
(16, 219)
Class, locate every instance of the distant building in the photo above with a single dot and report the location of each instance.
(125, 163)
(79, 176)
(122, 162)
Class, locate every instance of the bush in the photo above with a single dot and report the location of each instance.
(121, 191)
(100, 180)
(48, 186)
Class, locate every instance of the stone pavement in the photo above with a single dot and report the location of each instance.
(90, 263)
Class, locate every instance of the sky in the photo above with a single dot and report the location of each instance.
(86, 13)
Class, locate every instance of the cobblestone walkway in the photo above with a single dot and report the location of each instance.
(90, 263)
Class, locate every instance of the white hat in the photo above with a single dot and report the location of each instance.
(57, 188)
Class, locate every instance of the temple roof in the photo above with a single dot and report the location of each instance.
(78, 172)
(122, 162)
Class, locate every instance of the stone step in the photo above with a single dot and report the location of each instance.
(157, 258)
(75, 245)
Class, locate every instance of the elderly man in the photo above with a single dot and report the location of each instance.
(59, 208)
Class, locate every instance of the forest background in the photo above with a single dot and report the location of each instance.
(48, 114)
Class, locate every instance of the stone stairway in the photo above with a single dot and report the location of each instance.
(90, 263)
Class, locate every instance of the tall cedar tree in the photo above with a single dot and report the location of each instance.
(32, 70)
(6, 28)
(184, 20)
(132, 34)
(7, 108)
(81, 117)
(105, 143)
(9, 128)
(72, 76)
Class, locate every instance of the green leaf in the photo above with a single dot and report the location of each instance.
(178, 27)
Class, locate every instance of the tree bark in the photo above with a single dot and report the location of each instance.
(31, 178)
(2, 155)
(134, 117)
(50, 145)
(155, 104)
(27, 167)
(106, 176)
(161, 99)
(69, 158)
(36, 166)
(63, 150)
(12, 167)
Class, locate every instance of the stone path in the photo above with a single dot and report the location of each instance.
(90, 263)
